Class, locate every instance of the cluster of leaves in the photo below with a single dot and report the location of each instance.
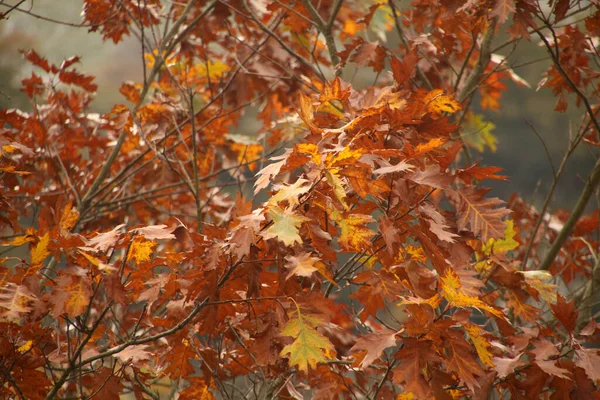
(346, 250)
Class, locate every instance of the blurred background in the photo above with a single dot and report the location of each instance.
(519, 151)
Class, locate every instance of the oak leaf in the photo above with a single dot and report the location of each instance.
(309, 346)
(437, 223)
(285, 227)
(141, 250)
(354, 235)
(461, 361)
(39, 253)
(589, 360)
(437, 102)
(302, 265)
(68, 219)
(451, 289)
(15, 300)
(374, 344)
(483, 215)
(414, 356)
(265, 175)
(153, 232)
(290, 193)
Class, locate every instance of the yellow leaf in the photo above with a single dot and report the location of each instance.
(536, 279)
(302, 265)
(437, 102)
(290, 193)
(285, 226)
(310, 149)
(79, 297)
(309, 346)
(307, 111)
(210, 69)
(21, 240)
(451, 286)
(354, 235)
(338, 188)
(350, 27)
(427, 147)
(416, 253)
(25, 347)
(406, 396)
(501, 246)
(12, 170)
(478, 133)
(141, 250)
(68, 219)
(97, 263)
(8, 148)
(346, 156)
(39, 253)
(329, 108)
(482, 346)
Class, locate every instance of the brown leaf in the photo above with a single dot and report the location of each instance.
(565, 313)
(503, 9)
(374, 344)
(589, 360)
(413, 356)
(483, 215)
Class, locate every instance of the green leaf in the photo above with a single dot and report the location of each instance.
(309, 346)
(285, 225)
(478, 133)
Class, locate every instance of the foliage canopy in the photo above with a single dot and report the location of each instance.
(347, 249)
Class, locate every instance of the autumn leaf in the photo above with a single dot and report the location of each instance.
(285, 227)
(504, 245)
(302, 265)
(12, 170)
(437, 103)
(502, 10)
(414, 356)
(103, 241)
(16, 300)
(25, 347)
(141, 250)
(390, 169)
(451, 289)
(478, 133)
(265, 175)
(29, 237)
(564, 311)
(438, 224)
(309, 346)
(154, 232)
(374, 344)
(72, 295)
(545, 357)
(589, 360)
(69, 218)
(354, 235)
(537, 280)
(482, 345)
(39, 253)
(331, 175)
(483, 215)
(97, 262)
(290, 193)
(463, 363)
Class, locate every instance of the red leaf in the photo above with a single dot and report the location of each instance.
(374, 344)
(565, 313)
(74, 78)
(38, 60)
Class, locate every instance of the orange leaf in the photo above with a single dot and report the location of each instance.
(141, 250)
